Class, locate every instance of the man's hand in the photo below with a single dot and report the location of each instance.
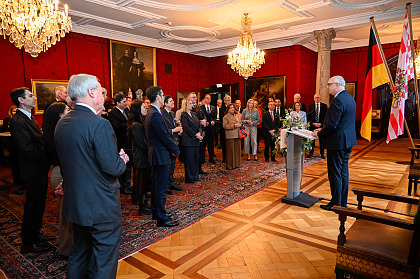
(177, 130)
(124, 156)
(271, 132)
(317, 125)
(315, 132)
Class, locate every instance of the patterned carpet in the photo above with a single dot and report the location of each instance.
(218, 189)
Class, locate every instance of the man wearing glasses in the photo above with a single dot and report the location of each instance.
(339, 136)
(161, 147)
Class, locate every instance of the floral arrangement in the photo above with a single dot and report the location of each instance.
(290, 123)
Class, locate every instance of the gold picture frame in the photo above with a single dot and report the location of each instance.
(43, 90)
(351, 88)
(180, 95)
(127, 72)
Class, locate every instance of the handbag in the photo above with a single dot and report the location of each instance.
(242, 132)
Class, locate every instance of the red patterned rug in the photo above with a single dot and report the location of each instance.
(218, 189)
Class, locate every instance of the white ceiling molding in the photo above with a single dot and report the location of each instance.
(171, 7)
(280, 22)
(313, 6)
(127, 37)
(168, 34)
(348, 6)
(100, 19)
(131, 10)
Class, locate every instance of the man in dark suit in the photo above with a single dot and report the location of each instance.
(161, 147)
(296, 99)
(173, 130)
(203, 123)
(61, 95)
(279, 110)
(219, 115)
(339, 135)
(118, 118)
(209, 113)
(90, 164)
(271, 124)
(316, 117)
(227, 100)
(33, 167)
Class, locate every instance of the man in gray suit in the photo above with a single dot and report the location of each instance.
(90, 164)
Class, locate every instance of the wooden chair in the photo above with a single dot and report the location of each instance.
(414, 172)
(377, 245)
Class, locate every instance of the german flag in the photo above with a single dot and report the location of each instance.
(376, 76)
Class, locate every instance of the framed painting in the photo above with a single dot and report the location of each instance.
(351, 88)
(43, 89)
(180, 95)
(133, 67)
(263, 88)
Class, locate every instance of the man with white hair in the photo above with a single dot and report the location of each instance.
(296, 99)
(61, 95)
(339, 137)
(90, 164)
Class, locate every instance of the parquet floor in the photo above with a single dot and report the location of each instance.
(261, 237)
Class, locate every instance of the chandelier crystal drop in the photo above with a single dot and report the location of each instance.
(246, 58)
(35, 25)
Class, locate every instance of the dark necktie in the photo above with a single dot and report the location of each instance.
(317, 113)
(208, 109)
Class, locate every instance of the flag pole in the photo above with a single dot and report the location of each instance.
(416, 89)
(391, 82)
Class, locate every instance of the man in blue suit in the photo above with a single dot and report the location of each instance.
(339, 136)
(161, 147)
(90, 164)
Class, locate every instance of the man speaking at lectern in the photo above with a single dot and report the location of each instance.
(339, 136)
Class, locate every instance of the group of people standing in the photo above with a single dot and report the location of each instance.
(92, 157)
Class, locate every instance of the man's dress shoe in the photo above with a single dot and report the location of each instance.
(168, 214)
(175, 188)
(212, 161)
(44, 239)
(169, 192)
(197, 179)
(326, 206)
(35, 248)
(168, 223)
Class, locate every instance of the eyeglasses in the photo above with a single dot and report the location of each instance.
(331, 83)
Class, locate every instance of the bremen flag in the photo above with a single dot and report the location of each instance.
(376, 75)
(405, 72)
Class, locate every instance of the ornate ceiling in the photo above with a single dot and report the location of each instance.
(211, 27)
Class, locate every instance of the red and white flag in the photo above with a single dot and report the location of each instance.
(405, 72)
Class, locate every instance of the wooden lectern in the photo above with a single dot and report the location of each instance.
(294, 169)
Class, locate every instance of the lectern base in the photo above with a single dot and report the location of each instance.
(303, 200)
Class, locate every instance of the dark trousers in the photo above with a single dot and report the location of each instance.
(208, 141)
(125, 178)
(321, 147)
(217, 127)
(223, 142)
(95, 247)
(338, 175)
(159, 189)
(191, 163)
(36, 195)
(269, 141)
(171, 172)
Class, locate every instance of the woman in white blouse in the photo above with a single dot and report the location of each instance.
(299, 113)
(250, 118)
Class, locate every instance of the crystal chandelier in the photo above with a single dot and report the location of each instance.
(246, 58)
(34, 24)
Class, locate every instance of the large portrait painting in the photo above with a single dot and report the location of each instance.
(133, 67)
(43, 90)
(263, 88)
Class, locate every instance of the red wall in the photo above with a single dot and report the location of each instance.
(296, 62)
(77, 53)
(351, 64)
